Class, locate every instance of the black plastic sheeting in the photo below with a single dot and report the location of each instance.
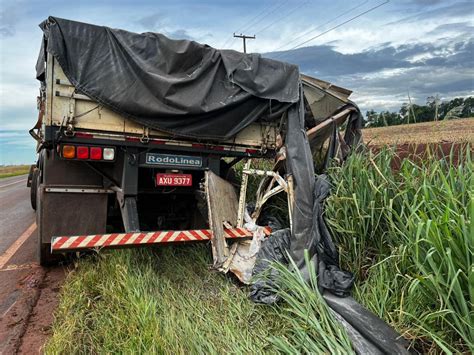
(177, 86)
(273, 250)
(322, 251)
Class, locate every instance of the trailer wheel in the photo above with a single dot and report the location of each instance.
(45, 257)
(34, 187)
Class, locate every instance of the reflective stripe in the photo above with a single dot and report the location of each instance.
(64, 243)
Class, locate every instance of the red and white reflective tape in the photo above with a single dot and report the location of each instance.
(68, 243)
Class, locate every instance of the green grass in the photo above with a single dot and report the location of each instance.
(168, 301)
(13, 170)
(406, 234)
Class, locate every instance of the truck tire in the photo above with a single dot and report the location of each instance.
(34, 187)
(30, 175)
(45, 257)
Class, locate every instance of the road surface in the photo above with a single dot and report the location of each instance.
(28, 292)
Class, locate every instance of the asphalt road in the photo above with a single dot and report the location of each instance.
(28, 292)
(16, 214)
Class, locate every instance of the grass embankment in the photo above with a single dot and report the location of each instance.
(407, 235)
(167, 301)
(13, 170)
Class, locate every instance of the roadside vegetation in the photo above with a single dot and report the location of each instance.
(167, 301)
(409, 237)
(406, 234)
(434, 110)
(13, 170)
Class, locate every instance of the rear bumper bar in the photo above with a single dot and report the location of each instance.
(121, 240)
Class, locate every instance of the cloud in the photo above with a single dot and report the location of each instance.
(8, 18)
(456, 27)
(382, 76)
(179, 34)
(462, 9)
(156, 22)
(151, 22)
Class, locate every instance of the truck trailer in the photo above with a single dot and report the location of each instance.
(133, 129)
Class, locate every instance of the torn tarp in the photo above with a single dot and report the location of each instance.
(322, 251)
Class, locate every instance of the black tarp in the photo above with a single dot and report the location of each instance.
(178, 86)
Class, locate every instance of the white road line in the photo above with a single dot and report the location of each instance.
(6, 256)
(8, 310)
(13, 183)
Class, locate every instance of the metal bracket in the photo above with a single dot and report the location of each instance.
(128, 208)
(145, 138)
(265, 191)
(127, 195)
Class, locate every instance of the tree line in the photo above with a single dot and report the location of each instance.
(432, 111)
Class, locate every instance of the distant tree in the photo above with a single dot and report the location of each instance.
(371, 118)
(468, 110)
(456, 108)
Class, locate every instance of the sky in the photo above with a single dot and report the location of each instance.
(420, 47)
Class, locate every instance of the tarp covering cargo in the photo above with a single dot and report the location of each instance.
(177, 86)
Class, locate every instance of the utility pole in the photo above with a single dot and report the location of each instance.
(244, 38)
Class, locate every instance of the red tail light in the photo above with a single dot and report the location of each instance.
(82, 152)
(96, 153)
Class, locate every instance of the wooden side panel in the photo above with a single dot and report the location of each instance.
(222, 205)
(92, 116)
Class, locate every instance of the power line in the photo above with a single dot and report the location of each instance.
(321, 26)
(284, 16)
(261, 19)
(251, 21)
(333, 28)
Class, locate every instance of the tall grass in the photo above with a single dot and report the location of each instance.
(408, 235)
(312, 327)
(168, 301)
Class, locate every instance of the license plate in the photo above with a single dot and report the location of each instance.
(174, 180)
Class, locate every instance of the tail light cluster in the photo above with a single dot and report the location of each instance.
(84, 152)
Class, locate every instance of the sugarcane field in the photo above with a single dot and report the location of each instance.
(254, 177)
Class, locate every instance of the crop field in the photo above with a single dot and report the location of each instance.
(459, 131)
(13, 170)
(407, 235)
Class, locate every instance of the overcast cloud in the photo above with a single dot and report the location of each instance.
(423, 47)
